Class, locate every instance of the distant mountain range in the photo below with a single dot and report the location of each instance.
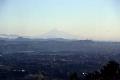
(51, 35)
(9, 36)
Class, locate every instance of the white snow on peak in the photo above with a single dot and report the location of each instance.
(55, 33)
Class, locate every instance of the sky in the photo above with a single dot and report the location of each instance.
(86, 19)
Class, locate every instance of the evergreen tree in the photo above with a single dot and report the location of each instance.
(73, 76)
(111, 71)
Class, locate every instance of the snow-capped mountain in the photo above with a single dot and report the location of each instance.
(9, 36)
(53, 34)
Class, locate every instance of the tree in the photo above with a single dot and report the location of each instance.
(93, 76)
(73, 76)
(40, 76)
(111, 71)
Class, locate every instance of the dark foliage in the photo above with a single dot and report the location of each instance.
(73, 76)
(111, 71)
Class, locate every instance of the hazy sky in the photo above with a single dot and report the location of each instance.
(88, 19)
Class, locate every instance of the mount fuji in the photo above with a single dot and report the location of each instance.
(57, 34)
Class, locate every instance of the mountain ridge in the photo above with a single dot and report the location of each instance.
(55, 34)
